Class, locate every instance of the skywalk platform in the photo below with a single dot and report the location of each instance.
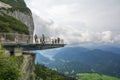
(18, 48)
(11, 46)
(24, 43)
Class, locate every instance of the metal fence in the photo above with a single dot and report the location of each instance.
(14, 38)
(48, 40)
(22, 38)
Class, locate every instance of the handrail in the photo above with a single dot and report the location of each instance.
(14, 38)
(23, 38)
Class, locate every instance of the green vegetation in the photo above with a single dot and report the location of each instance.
(75, 60)
(10, 24)
(45, 73)
(17, 5)
(93, 76)
(10, 69)
(9, 66)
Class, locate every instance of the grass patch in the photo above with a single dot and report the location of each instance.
(95, 76)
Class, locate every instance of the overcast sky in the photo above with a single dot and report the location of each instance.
(78, 21)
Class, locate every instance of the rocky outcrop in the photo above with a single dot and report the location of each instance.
(28, 66)
(3, 5)
(25, 17)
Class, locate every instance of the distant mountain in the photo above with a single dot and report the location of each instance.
(82, 60)
(113, 49)
(40, 59)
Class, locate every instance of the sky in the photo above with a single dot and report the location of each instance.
(77, 21)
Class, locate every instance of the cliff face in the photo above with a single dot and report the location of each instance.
(18, 10)
(28, 66)
(23, 16)
(26, 18)
(3, 5)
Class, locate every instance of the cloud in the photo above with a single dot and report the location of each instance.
(107, 36)
(78, 21)
(117, 39)
(73, 35)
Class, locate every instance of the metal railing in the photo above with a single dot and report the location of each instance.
(22, 38)
(49, 40)
(14, 38)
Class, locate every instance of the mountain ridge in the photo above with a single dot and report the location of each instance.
(83, 60)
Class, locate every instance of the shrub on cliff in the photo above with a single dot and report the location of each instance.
(45, 73)
(10, 24)
(9, 69)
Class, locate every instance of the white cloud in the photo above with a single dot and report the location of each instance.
(78, 21)
(107, 36)
(117, 39)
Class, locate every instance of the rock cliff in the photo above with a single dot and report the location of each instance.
(18, 13)
(28, 66)
(18, 10)
(26, 18)
(3, 5)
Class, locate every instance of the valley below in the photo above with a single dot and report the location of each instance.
(80, 61)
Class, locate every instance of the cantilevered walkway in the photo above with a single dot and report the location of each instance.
(22, 42)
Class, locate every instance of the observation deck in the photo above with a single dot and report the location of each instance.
(18, 43)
